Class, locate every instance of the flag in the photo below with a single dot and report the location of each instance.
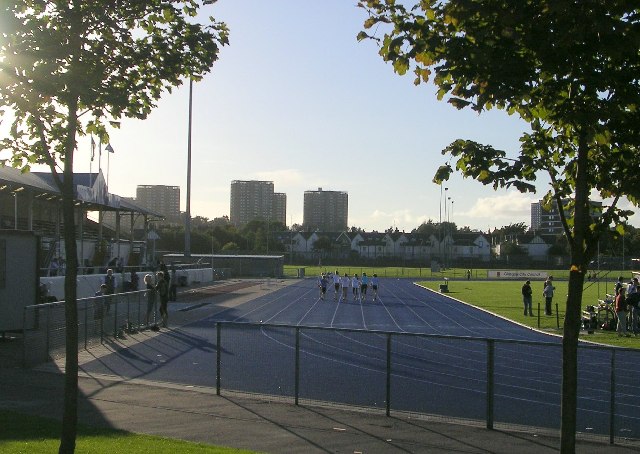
(109, 148)
(93, 148)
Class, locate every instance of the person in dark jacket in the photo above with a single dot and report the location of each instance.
(527, 298)
(162, 287)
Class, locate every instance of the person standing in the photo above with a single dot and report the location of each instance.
(364, 284)
(621, 312)
(375, 282)
(344, 283)
(99, 306)
(633, 302)
(151, 297)
(619, 283)
(336, 285)
(548, 295)
(355, 286)
(527, 298)
(110, 282)
(53, 267)
(162, 287)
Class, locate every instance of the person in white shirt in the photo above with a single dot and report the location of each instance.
(336, 284)
(374, 286)
(344, 283)
(355, 286)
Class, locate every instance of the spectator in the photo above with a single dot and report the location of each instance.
(633, 302)
(162, 287)
(134, 281)
(110, 283)
(548, 295)
(53, 267)
(151, 297)
(621, 312)
(527, 298)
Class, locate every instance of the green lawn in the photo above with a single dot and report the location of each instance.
(23, 434)
(505, 298)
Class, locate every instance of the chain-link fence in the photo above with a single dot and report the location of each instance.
(99, 317)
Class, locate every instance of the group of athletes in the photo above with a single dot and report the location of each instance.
(342, 284)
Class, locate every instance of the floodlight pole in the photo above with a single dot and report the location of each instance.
(187, 216)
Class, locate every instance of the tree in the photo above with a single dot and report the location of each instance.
(69, 68)
(230, 247)
(570, 70)
(323, 245)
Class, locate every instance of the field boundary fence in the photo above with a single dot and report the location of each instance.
(510, 383)
(494, 382)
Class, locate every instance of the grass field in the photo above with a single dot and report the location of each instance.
(606, 278)
(22, 434)
(505, 298)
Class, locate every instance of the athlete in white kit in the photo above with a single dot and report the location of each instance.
(344, 283)
(355, 286)
(375, 282)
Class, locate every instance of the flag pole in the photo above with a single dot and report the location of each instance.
(92, 145)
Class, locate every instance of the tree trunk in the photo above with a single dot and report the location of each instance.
(570, 363)
(579, 259)
(70, 412)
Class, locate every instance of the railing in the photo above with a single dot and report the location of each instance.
(498, 382)
(99, 318)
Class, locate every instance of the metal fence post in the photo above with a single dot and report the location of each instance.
(218, 353)
(47, 334)
(538, 314)
(388, 397)
(612, 403)
(297, 365)
(24, 337)
(115, 320)
(86, 334)
(490, 375)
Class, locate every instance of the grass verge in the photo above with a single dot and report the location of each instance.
(22, 434)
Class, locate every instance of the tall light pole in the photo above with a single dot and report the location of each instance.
(440, 226)
(187, 216)
(446, 192)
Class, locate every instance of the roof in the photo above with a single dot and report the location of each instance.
(86, 187)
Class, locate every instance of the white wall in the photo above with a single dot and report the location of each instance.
(88, 284)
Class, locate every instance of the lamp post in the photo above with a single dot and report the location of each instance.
(450, 216)
(187, 215)
(446, 192)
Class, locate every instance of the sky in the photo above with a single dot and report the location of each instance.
(297, 100)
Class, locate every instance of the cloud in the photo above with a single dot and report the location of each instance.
(511, 206)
